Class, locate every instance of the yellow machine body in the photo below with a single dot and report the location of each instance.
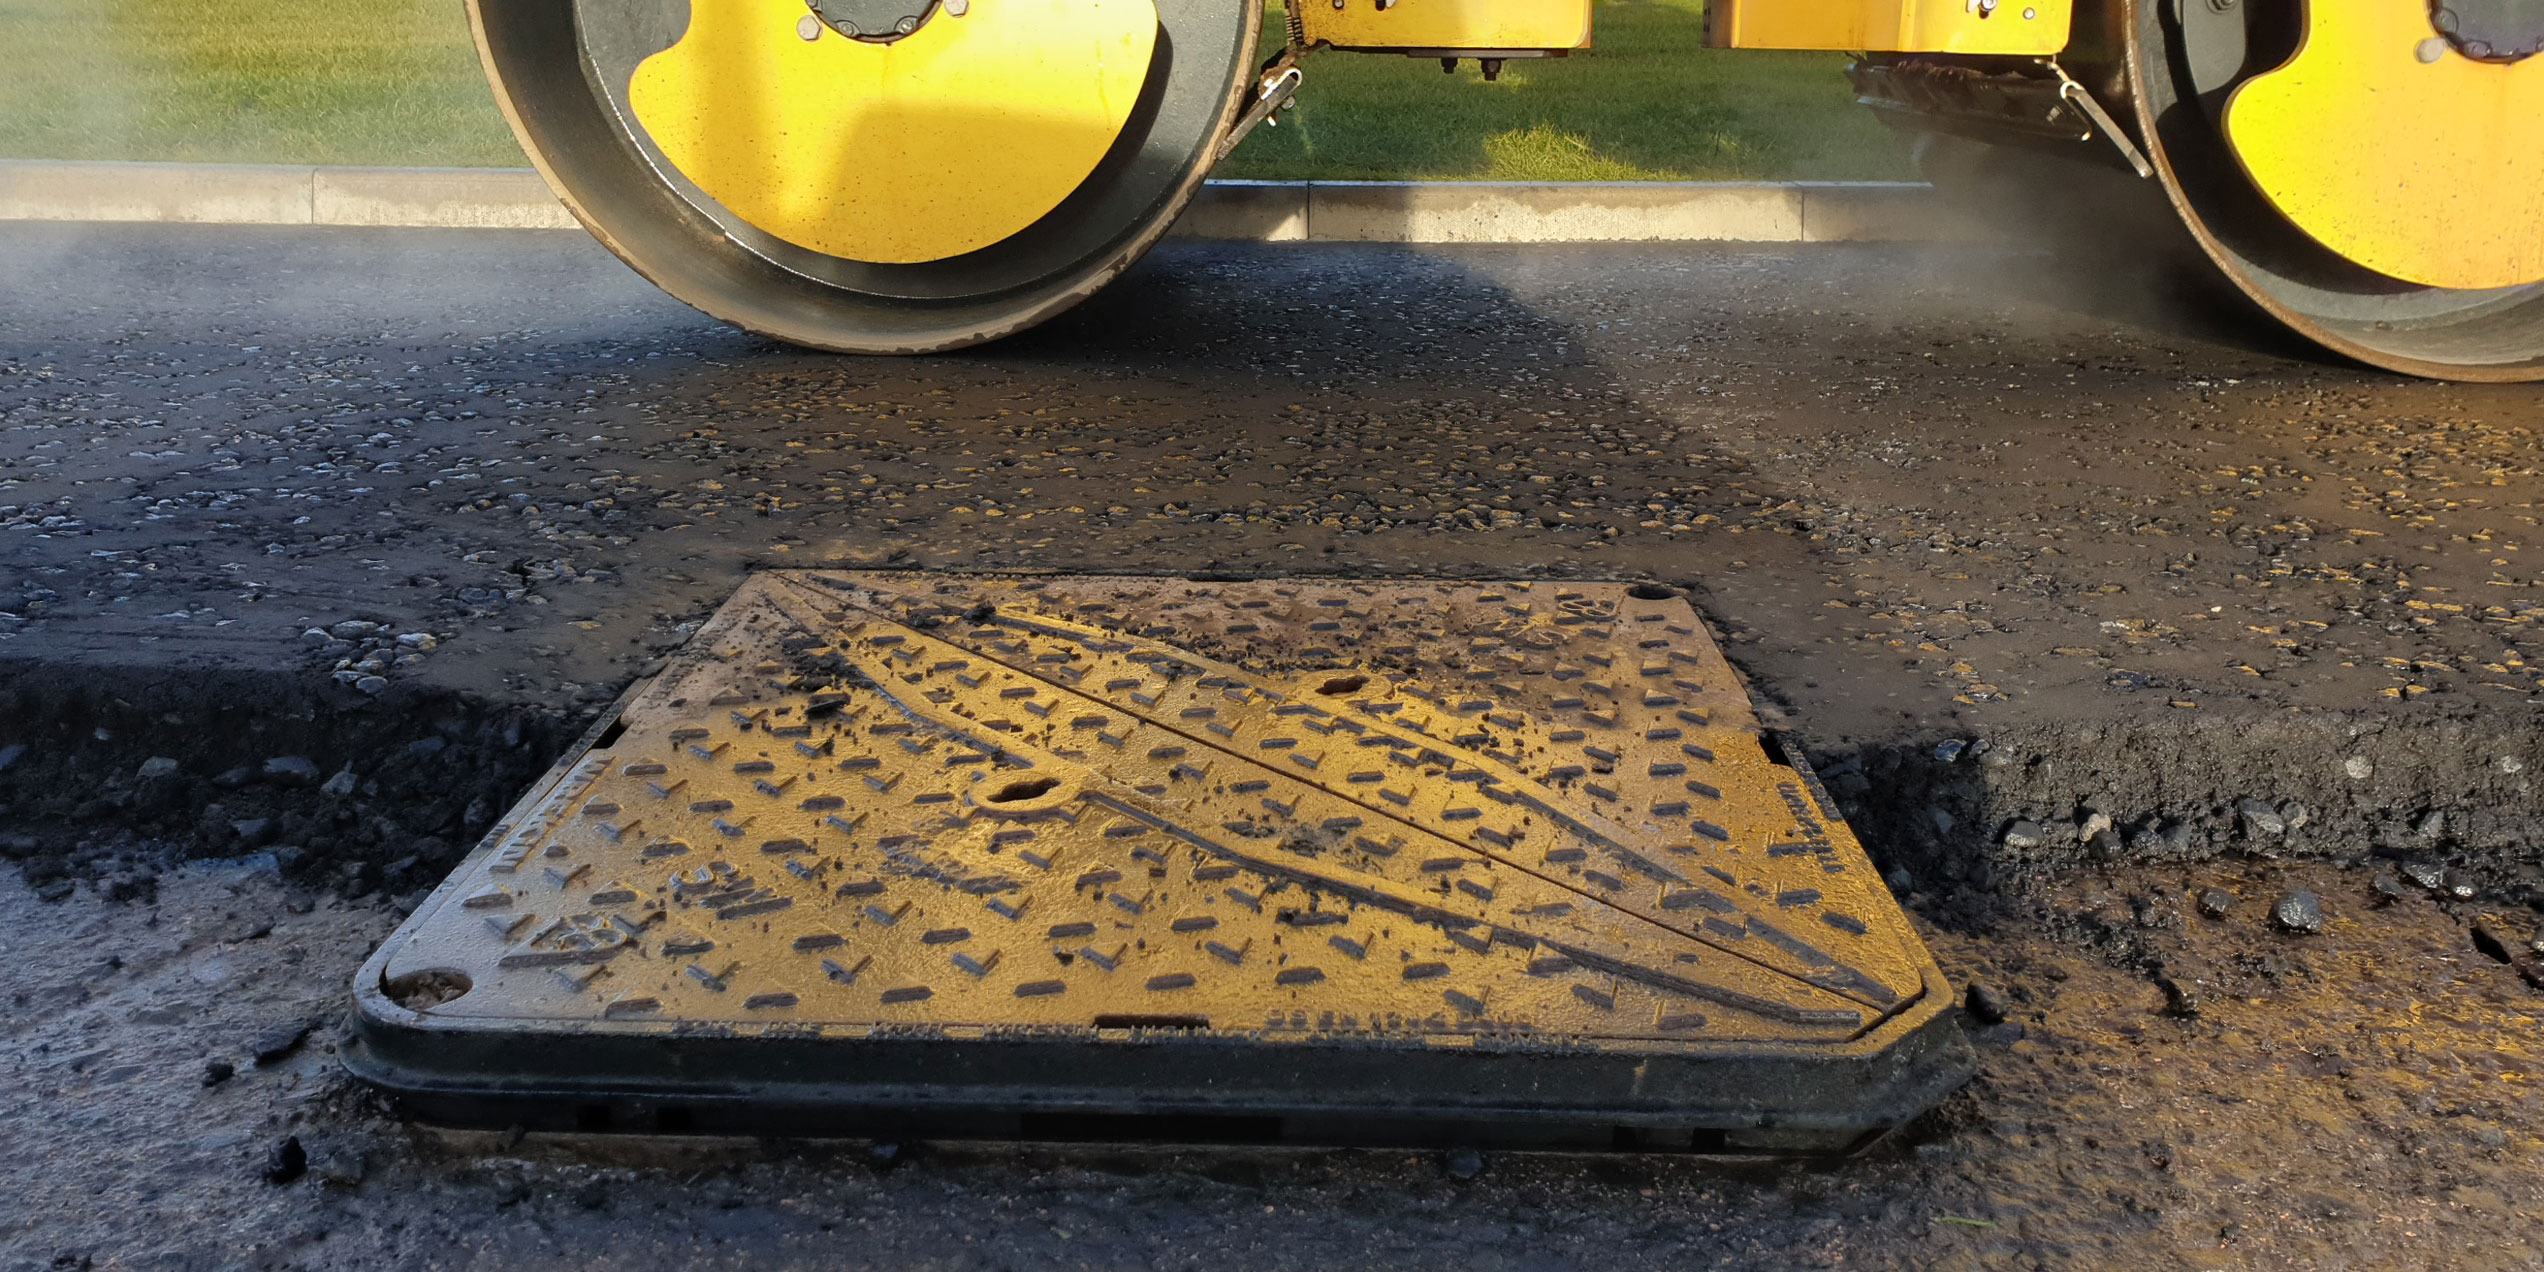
(2426, 170)
(944, 142)
(1446, 25)
(1891, 26)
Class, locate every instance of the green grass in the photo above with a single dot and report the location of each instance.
(247, 81)
(396, 82)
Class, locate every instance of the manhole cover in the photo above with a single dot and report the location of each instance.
(1317, 860)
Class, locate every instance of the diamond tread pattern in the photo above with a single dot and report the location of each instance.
(861, 803)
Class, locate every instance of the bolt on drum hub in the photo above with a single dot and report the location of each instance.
(1319, 861)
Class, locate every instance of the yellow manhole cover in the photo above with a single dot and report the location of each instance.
(1341, 860)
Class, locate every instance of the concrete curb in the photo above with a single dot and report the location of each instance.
(1259, 211)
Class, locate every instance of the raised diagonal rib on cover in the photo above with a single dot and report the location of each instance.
(1541, 777)
(884, 802)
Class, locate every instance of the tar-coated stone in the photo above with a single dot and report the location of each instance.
(2261, 821)
(2493, 936)
(1985, 1004)
(1462, 1163)
(2215, 902)
(339, 1168)
(291, 768)
(286, 1161)
(2179, 1001)
(2388, 889)
(279, 1041)
(2494, 941)
(2299, 911)
(216, 1072)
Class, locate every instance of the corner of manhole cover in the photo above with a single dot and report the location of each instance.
(1126, 856)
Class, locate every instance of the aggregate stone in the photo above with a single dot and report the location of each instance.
(286, 1161)
(2260, 819)
(2215, 902)
(2180, 1001)
(1985, 1005)
(338, 1167)
(279, 1041)
(2298, 911)
(291, 768)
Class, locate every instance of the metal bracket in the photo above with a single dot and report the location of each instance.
(1276, 89)
(2076, 96)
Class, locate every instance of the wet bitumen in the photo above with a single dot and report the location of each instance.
(1994, 540)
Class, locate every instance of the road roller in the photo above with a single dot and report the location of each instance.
(911, 176)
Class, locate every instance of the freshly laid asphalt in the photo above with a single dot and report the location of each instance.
(2088, 592)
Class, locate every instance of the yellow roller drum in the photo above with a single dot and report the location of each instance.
(2392, 148)
(946, 141)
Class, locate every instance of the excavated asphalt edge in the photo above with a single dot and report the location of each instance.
(1257, 211)
(390, 791)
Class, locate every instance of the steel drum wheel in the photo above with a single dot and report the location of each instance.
(562, 70)
(2494, 334)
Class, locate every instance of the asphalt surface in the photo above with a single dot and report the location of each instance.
(2088, 594)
